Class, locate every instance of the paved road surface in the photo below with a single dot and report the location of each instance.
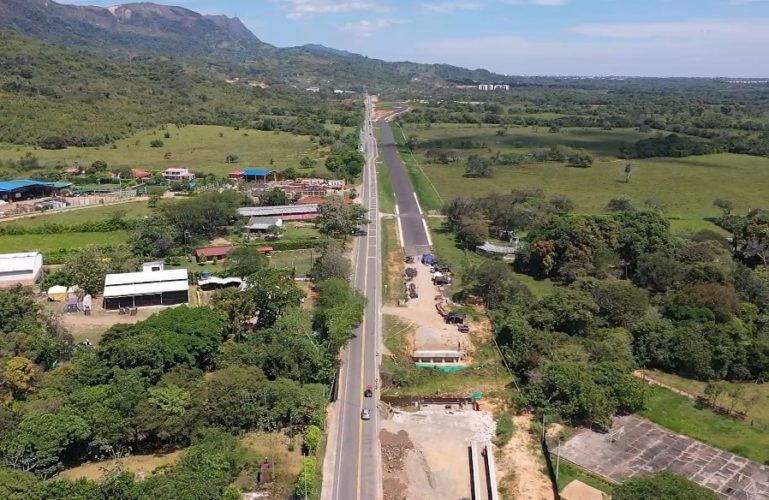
(355, 448)
(415, 239)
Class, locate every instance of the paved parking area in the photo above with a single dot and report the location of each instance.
(641, 447)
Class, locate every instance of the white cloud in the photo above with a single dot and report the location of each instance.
(686, 48)
(366, 29)
(543, 3)
(726, 30)
(298, 9)
(446, 7)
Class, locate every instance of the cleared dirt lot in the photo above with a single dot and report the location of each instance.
(644, 448)
(425, 453)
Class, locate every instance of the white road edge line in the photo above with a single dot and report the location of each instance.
(427, 232)
(418, 205)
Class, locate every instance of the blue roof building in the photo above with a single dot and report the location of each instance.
(19, 189)
(253, 174)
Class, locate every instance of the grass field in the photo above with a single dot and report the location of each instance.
(758, 412)
(199, 147)
(301, 260)
(386, 190)
(54, 242)
(93, 213)
(679, 414)
(684, 187)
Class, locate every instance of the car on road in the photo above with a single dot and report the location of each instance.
(368, 392)
(365, 414)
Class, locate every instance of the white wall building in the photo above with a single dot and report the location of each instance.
(24, 268)
(146, 288)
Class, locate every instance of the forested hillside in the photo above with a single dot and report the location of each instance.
(92, 100)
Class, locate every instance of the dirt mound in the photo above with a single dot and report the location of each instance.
(395, 448)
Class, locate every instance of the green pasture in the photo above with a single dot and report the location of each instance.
(682, 415)
(91, 213)
(202, 148)
(55, 242)
(684, 187)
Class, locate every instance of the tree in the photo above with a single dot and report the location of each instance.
(339, 219)
(269, 293)
(311, 439)
(658, 272)
(231, 158)
(307, 162)
(154, 238)
(244, 261)
(495, 282)
(156, 143)
(628, 170)
(567, 310)
(412, 143)
(661, 486)
(20, 375)
(53, 142)
(473, 231)
(18, 309)
(206, 215)
(725, 205)
(478, 166)
(620, 204)
(305, 485)
(97, 167)
(620, 303)
(346, 162)
(581, 159)
(88, 269)
(273, 197)
(42, 439)
(332, 264)
(752, 239)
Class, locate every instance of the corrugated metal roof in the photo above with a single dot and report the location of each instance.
(437, 354)
(263, 222)
(145, 277)
(25, 183)
(14, 262)
(257, 172)
(145, 288)
(310, 208)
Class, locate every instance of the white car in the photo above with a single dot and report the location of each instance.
(365, 414)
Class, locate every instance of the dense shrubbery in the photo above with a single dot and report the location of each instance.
(670, 145)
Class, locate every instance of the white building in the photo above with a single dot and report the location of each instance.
(178, 174)
(146, 288)
(493, 86)
(24, 268)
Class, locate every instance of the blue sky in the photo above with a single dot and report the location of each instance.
(523, 37)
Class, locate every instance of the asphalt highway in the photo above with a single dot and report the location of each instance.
(412, 222)
(355, 447)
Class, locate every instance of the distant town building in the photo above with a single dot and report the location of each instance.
(20, 268)
(493, 86)
(178, 174)
(313, 89)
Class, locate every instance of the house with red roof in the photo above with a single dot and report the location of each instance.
(140, 174)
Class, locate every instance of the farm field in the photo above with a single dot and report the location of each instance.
(684, 187)
(55, 242)
(198, 147)
(93, 213)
